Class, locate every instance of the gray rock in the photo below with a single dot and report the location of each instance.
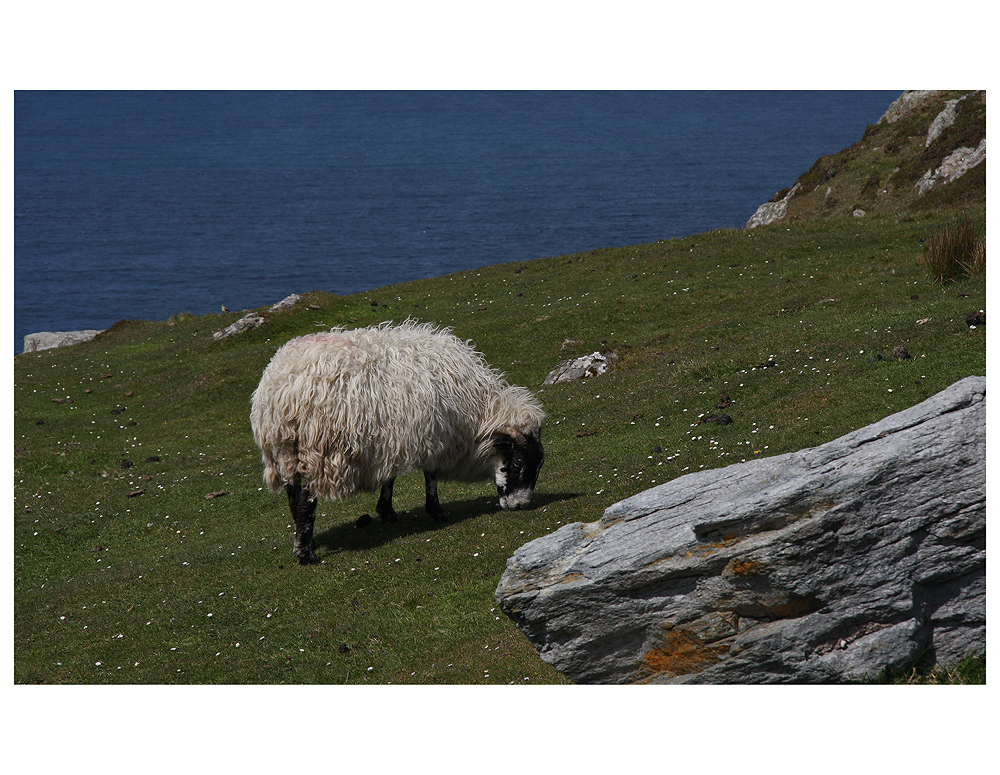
(286, 303)
(903, 104)
(945, 118)
(769, 212)
(827, 564)
(581, 368)
(245, 323)
(772, 211)
(941, 121)
(953, 166)
(46, 340)
(254, 320)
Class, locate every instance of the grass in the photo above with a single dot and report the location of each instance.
(126, 573)
(958, 249)
(970, 670)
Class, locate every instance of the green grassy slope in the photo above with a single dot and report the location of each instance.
(126, 572)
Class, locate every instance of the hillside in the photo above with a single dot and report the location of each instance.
(146, 549)
(881, 173)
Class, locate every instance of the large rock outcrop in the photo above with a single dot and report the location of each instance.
(827, 564)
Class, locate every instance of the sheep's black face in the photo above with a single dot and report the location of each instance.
(521, 458)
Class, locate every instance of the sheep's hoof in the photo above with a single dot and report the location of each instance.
(363, 521)
(309, 559)
(438, 515)
(388, 517)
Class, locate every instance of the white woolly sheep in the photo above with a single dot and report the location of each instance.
(348, 410)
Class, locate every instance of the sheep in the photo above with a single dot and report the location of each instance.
(348, 410)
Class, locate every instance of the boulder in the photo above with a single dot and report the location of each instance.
(580, 368)
(823, 565)
(46, 340)
(772, 211)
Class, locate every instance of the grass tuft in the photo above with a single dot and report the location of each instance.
(957, 249)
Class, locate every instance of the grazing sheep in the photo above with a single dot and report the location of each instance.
(342, 411)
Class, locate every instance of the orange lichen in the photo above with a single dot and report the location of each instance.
(708, 549)
(742, 567)
(678, 653)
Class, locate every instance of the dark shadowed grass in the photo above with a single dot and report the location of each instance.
(125, 572)
(970, 670)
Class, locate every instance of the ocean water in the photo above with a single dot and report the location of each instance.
(144, 204)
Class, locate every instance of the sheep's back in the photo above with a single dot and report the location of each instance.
(349, 410)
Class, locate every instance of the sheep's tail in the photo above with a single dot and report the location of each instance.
(294, 452)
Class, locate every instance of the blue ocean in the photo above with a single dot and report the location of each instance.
(144, 204)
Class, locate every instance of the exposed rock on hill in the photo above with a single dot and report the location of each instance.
(827, 564)
(254, 320)
(46, 340)
(953, 166)
(772, 211)
(248, 322)
(904, 104)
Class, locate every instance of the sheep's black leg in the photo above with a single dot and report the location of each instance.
(384, 507)
(433, 506)
(302, 504)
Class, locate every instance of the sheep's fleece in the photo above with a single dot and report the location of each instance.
(349, 410)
